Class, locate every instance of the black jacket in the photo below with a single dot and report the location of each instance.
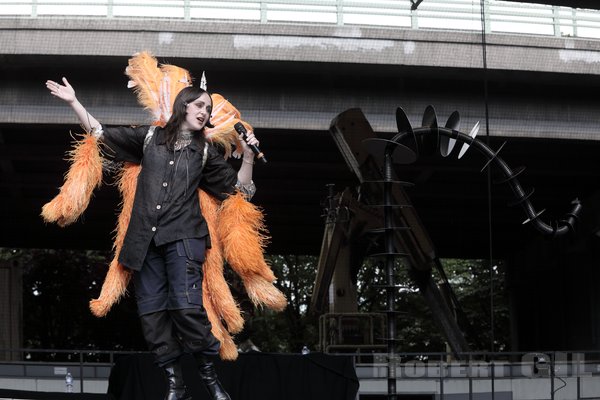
(166, 205)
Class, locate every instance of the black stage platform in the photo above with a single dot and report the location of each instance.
(264, 376)
(253, 376)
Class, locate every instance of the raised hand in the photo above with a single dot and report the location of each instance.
(64, 92)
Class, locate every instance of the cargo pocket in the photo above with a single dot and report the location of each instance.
(193, 250)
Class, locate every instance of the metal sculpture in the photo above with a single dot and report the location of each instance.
(431, 137)
(392, 152)
(392, 216)
(427, 140)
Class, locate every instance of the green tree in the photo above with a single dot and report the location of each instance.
(292, 329)
(469, 279)
(58, 285)
(473, 282)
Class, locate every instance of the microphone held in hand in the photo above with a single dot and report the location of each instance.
(241, 129)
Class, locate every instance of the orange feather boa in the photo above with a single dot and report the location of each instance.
(237, 234)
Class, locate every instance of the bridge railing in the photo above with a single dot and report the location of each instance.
(500, 16)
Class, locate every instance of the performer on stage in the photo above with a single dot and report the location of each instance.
(165, 242)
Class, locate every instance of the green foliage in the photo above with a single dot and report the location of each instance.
(57, 286)
(470, 281)
(473, 282)
(290, 330)
(59, 283)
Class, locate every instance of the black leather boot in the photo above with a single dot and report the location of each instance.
(207, 372)
(177, 390)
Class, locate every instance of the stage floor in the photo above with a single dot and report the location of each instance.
(264, 376)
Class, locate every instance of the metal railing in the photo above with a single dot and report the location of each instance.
(541, 375)
(339, 331)
(500, 16)
(53, 364)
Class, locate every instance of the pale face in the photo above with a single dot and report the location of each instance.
(197, 113)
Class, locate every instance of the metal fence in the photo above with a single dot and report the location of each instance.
(500, 16)
(516, 375)
(540, 375)
(85, 366)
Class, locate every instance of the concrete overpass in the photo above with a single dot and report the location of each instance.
(290, 81)
(241, 54)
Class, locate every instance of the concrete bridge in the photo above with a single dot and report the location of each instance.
(289, 81)
(381, 65)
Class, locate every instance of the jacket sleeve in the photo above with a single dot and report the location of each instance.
(122, 143)
(218, 176)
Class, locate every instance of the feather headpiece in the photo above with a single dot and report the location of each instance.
(156, 87)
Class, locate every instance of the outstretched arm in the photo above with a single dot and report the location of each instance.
(66, 93)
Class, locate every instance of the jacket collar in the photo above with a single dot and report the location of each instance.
(161, 139)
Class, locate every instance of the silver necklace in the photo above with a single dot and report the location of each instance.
(183, 140)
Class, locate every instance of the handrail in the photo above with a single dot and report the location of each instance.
(577, 369)
(501, 16)
(580, 367)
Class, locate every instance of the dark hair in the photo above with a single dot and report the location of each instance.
(185, 96)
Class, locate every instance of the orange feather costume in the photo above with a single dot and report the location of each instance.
(236, 226)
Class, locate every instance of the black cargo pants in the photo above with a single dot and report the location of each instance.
(168, 292)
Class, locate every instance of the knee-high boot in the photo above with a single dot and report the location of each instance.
(207, 372)
(177, 389)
